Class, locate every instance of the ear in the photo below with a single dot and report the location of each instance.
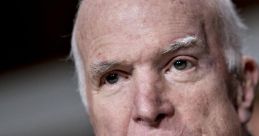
(246, 93)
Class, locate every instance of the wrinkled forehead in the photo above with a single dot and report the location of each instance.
(102, 17)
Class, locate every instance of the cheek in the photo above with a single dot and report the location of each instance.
(204, 106)
(111, 111)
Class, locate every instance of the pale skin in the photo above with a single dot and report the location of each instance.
(139, 84)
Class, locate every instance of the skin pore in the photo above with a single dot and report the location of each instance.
(156, 68)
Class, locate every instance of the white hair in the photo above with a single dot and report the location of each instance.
(231, 33)
(80, 72)
(232, 30)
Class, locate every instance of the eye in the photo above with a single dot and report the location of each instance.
(182, 64)
(182, 69)
(112, 78)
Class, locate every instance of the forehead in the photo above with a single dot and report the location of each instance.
(101, 17)
(103, 24)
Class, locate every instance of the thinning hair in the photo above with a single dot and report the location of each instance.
(231, 34)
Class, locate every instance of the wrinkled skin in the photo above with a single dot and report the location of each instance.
(135, 89)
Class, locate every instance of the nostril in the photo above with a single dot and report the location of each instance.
(151, 122)
(138, 119)
(160, 117)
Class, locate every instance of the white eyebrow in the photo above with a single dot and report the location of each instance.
(101, 67)
(181, 43)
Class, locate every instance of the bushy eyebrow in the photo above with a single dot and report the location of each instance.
(100, 68)
(180, 43)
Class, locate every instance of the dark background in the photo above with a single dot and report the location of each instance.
(36, 30)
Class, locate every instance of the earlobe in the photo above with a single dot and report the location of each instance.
(248, 86)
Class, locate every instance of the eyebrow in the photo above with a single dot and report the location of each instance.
(100, 68)
(180, 43)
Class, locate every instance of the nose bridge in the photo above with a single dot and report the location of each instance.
(147, 93)
(149, 105)
(146, 79)
(147, 86)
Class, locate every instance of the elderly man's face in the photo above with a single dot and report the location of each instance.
(155, 68)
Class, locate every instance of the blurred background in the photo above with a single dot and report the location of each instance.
(38, 89)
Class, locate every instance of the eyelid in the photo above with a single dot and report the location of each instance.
(191, 59)
(119, 72)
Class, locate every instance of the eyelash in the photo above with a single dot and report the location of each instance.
(189, 59)
(118, 72)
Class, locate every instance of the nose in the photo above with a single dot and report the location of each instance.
(150, 106)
